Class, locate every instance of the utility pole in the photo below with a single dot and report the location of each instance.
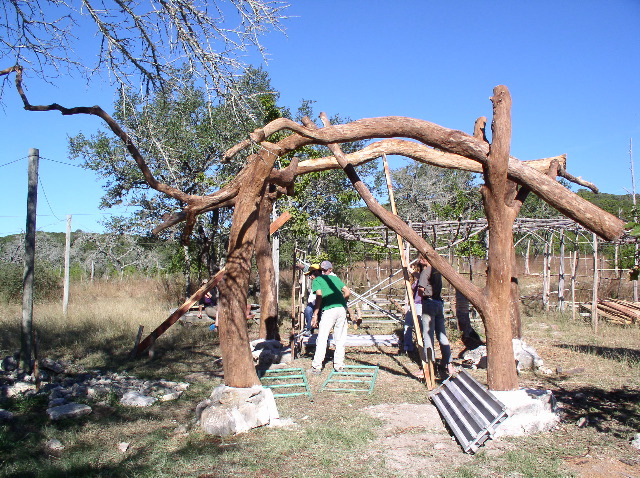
(635, 217)
(67, 253)
(26, 350)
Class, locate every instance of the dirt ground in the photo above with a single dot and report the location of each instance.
(414, 441)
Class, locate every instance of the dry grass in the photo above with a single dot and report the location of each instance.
(333, 437)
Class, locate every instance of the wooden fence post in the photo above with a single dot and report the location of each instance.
(26, 349)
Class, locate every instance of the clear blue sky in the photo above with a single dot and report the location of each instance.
(573, 69)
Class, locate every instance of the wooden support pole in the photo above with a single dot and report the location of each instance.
(574, 271)
(199, 294)
(179, 312)
(427, 360)
(594, 296)
(67, 255)
(561, 300)
(26, 349)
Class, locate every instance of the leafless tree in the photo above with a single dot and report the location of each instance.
(139, 43)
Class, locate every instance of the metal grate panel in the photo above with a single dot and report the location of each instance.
(352, 378)
(285, 378)
(470, 410)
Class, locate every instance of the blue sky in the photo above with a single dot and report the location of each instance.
(573, 69)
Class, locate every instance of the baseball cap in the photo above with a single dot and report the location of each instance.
(326, 265)
(313, 267)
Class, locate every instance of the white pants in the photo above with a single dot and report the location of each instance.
(336, 319)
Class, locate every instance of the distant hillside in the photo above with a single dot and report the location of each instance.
(620, 205)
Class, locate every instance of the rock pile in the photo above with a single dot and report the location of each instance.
(230, 410)
(70, 392)
(526, 356)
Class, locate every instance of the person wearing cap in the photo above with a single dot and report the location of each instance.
(331, 299)
(313, 272)
(430, 292)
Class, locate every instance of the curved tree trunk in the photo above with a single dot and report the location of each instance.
(237, 360)
(264, 260)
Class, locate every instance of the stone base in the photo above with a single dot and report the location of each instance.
(529, 411)
(230, 410)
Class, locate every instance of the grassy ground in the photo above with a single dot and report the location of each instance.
(333, 435)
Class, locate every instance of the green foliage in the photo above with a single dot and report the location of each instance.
(620, 205)
(47, 283)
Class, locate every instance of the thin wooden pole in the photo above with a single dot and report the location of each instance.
(427, 361)
(574, 270)
(26, 350)
(594, 296)
(561, 301)
(635, 217)
(67, 254)
(545, 276)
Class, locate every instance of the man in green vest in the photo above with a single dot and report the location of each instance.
(331, 298)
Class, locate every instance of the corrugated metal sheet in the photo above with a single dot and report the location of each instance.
(470, 410)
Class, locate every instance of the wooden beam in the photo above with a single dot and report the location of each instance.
(199, 294)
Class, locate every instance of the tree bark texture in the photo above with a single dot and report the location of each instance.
(264, 260)
(238, 365)
(501, 371)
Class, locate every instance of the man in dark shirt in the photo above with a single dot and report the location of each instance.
(430, 290)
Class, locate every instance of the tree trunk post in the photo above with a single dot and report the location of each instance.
(26, 349)
(67, 254)
(501, 371)
(596, 280)
(561, 300)
(266, 271)
(574, 271)
(237, 360)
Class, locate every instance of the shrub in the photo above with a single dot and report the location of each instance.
(47, 283)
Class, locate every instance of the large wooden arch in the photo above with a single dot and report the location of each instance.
(507, 183)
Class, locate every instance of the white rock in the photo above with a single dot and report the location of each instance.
(230, 410)
(529, 411)
(54, 445)
(170, 396)
(123, 447)
(70, 410)
(636, 441)
(20, 387)
(137, 399)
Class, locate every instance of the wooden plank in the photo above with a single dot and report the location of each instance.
(179, 312)
(279, 222)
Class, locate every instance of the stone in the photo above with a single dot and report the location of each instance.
(56, 402)
(230, 410)
(9, 364)
(475, 355)
(70, 410)
(20, 388)
(526, 356)
(5, 415)
(170, 396)
(529, 411)
(582, 422)
(137, 399)
(51, 365)
(123, 447)
(636, 441)
(54, 445)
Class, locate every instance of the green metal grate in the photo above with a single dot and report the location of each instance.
(352, 378)
(285, 379)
